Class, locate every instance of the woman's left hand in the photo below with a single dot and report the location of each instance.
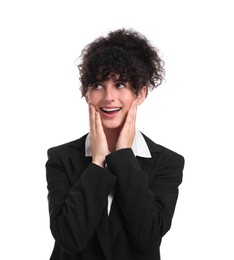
(127, 133)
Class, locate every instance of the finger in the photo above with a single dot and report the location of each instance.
(98, 123)
(133, 107)
(131, 117)
(92, 119)
(131, 120)
(134, 112)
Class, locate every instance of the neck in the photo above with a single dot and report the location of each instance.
(112, 136)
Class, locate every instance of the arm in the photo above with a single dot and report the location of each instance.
(147, 207)
(75, 209)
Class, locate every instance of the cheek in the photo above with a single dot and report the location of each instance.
(91, 99)
(127, 101)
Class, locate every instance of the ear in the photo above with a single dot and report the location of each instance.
(141, 95)
(86, 98)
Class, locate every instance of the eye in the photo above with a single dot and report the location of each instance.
(120, 85)
(97, 86)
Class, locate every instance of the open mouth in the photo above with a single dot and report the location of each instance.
(111, 110)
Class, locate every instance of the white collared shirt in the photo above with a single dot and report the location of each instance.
(139, 148)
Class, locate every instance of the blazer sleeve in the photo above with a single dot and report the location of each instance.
(147, 207)
(75, 208)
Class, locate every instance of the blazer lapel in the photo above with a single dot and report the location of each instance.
(78, 160)
(115, 222)
(103, 234)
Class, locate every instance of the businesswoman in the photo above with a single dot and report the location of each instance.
(112, 193)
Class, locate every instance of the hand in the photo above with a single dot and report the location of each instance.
(127, 133)
(99, 146)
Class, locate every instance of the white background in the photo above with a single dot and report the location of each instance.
(191, 113)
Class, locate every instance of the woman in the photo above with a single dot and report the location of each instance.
(113, 192)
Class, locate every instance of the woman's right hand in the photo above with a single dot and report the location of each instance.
(99, 146)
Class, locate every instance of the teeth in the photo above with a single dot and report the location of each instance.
(110, 109)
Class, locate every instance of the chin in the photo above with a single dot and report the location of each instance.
(112, 126)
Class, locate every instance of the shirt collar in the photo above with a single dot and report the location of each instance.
(139, 146)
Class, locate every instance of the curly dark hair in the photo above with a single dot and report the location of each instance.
(123, 53)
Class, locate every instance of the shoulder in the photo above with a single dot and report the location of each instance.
(163, 153)
(65, 148)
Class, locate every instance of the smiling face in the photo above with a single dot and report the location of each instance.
(112, 99)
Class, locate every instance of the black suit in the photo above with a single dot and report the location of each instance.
(146, 191)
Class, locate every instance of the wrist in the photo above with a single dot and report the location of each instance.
(98, 162)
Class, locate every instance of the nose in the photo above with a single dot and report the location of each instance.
(109, 94)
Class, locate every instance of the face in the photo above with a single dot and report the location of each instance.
(112, 99)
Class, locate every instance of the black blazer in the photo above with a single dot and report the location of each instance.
(146, 191)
